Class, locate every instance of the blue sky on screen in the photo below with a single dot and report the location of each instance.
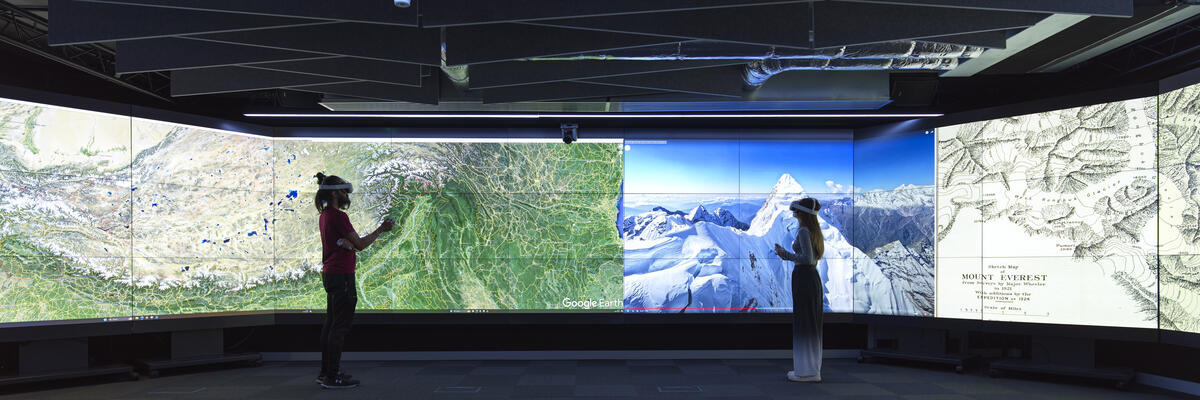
(812, 163)
(730, 167)
(888, 162)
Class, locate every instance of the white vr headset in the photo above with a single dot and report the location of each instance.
(796, 207)
(348, 187)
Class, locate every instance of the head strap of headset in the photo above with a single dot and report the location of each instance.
(349, 188)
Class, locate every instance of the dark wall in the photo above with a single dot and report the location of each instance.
(540, 337)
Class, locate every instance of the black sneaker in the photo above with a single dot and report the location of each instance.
(339, 383)
(321, 378)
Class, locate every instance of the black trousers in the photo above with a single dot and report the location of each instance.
(340, 300)
(807, 313)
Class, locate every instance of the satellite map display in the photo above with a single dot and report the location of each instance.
(108, 216)
(500, 226)
(64, 213)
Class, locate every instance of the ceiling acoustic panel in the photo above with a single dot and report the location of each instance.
(182, 53)
(380, 12)
(381, 42)
(718, 81)
(558, 91)
(469, 12)
(510, 73)
(427, 93)
(191, 82)
(891, 22)
(79, 22)
(502, 42)
(1106, 8)
(776, 25)
(353, 68)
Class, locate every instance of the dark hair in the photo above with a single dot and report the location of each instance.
(814, 227)
(326, 196)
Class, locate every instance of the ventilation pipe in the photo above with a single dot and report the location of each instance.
(456, 73)
(724, 51)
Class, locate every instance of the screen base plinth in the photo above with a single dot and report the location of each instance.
(1066, 357)
(195, 348)
(938, 346)
(50, 360)
(958, 361)
(124, 371)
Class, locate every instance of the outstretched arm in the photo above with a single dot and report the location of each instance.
(361, 243)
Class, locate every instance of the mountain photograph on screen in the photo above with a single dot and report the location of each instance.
(1050, 217)
(700, 220)
(893, 225)
(1179, 212)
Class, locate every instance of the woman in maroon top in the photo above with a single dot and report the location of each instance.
(339, 241)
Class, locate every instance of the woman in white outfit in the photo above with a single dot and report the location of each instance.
(807, 307)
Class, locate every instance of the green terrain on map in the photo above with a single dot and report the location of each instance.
(104, 217)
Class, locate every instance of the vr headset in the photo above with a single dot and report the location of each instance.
(348, 187)
(797, 207)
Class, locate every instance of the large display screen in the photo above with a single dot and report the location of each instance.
(479, 226)
(111, 217)
(1050, 217)
(65, 211)
(700, 220)
(1085, 216)
(893, 224)
(1179, 212)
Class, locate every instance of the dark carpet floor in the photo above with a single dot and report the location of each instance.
(595, 379)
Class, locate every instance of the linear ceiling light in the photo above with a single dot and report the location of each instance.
(575, 116)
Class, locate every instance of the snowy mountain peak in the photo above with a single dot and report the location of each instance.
(785, 191)
(787, 184)
(907, 196)
(698, 213)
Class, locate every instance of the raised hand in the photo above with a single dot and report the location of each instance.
(387, 225)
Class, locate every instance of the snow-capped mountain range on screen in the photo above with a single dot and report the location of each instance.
(704, 260)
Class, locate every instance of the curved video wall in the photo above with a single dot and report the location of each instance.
(1084, 216)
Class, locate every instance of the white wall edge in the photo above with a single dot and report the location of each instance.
(551, 355)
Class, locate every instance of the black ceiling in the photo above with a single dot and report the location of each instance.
(225, 57)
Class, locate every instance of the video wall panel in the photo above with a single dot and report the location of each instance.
(479, 225)
(701, 218)
(1081, 216)
(1179, 213)
(1060, 204)
(64, 213)
(893, 224)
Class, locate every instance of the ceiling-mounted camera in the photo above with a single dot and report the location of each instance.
(570, 132)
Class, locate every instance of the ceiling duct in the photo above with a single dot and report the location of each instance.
(726, 51)
(765, 62)
(457, 74)
(759, 71)
(890, 56)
